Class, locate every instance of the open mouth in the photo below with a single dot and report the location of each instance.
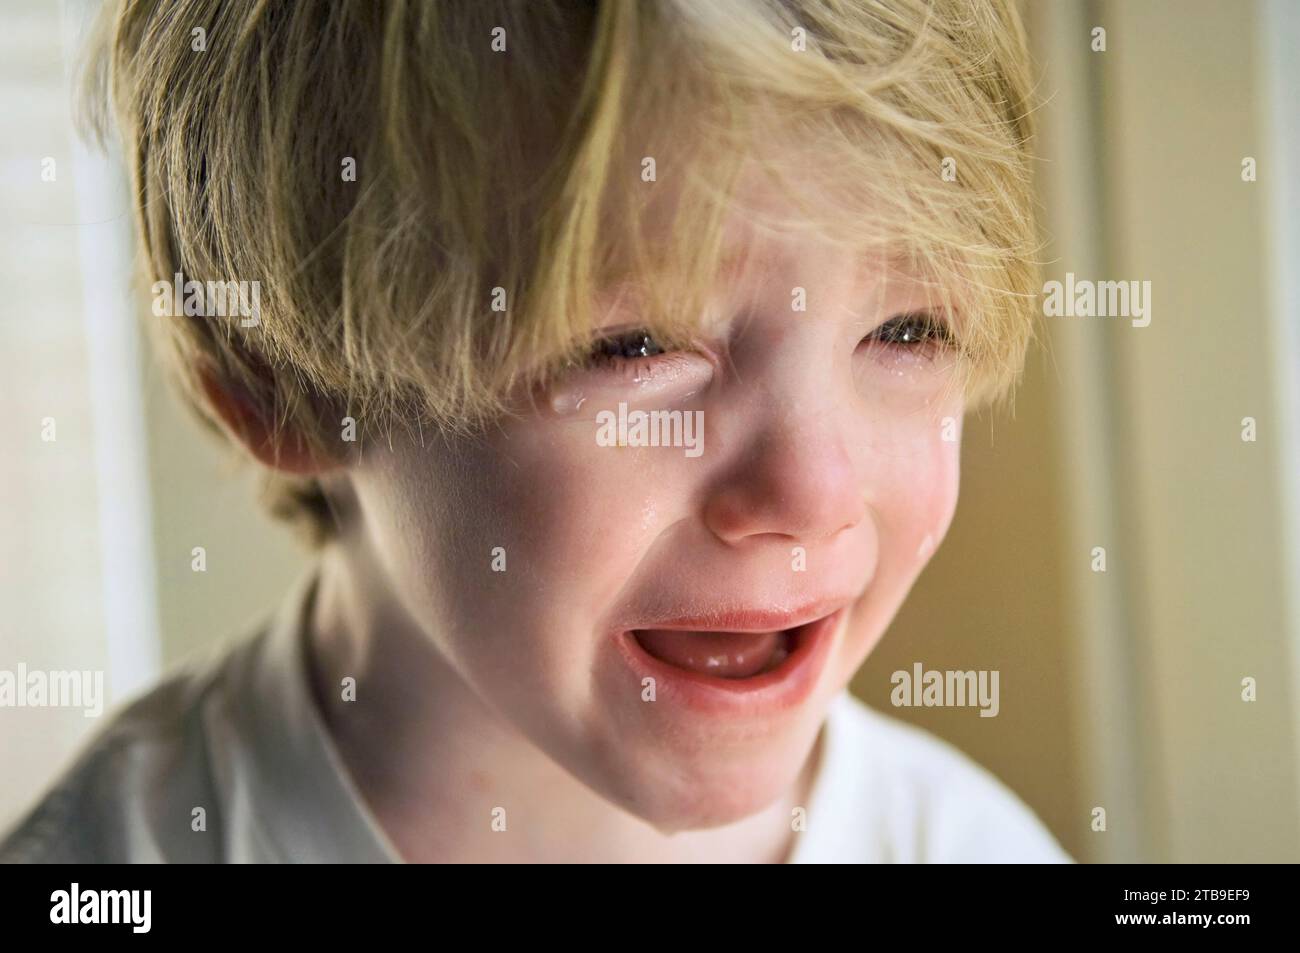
(733, 655)
(738, 664)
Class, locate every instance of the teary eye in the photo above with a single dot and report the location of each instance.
(626, 345)
(633, 357)
(913, 330)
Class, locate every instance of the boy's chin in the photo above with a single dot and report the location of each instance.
(697, 801)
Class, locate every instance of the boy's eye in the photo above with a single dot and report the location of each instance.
(915, 331)
(626, 345)
(633, 357)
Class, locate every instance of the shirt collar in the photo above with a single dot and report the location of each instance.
(837, 814)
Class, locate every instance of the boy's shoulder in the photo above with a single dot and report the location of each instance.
(891, 791)
(225, 760)
(142, 785)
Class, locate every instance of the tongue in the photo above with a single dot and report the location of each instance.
(722, 654)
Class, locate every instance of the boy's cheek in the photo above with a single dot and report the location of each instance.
(590, 513)
(522, 523)
(913, 484)
(912, 497)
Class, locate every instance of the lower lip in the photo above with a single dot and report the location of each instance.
(787, 686)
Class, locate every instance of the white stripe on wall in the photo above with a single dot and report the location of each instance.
(1278, 171)
(121, 449)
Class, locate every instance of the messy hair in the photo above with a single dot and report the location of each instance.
(507, 157)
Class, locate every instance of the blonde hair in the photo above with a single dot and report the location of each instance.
(520, 175)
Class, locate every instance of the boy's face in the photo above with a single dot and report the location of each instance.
(579, 587)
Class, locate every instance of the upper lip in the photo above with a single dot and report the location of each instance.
(750, 620)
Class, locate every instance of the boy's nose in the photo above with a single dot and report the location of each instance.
(794, 481)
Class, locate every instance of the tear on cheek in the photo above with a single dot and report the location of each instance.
(939, 505)
(926, 549)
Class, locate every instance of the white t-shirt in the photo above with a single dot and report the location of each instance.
(238, 735)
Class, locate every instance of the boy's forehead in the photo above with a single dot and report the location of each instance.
(773, 228)
(794, 222)
(805, 255)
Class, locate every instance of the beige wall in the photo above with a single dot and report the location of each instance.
(205, 497)
(1181, 99)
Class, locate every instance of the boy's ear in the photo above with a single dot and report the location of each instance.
(286, 451)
